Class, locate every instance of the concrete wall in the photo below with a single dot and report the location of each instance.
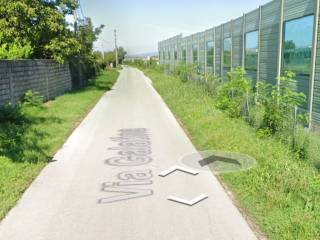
(44, 76)
(268, 20)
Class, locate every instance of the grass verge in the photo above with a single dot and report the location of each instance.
(31, 140)
(281, 194)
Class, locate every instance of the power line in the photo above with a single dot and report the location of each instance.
(75, 24)
(103, 40)
(81, 9)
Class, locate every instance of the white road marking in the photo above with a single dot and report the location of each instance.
(188, 202)
(175, 168)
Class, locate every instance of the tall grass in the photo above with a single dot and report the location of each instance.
(30, 134)
(282, 194)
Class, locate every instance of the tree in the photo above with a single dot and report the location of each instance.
(86, 35)
(121, 54)
(110, 57)
(100, 59)
(37, 29)
(289, 47)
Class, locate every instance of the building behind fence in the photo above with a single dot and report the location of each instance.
(278, 36)
(47, 77)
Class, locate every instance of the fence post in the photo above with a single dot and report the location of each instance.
(280, 43)
(243, 38)
(198, 62)
(258, 60)
(314, 56)
(9, 65)
(214, 51)
(186, 41)
(259, 40)
(231, 49)
(80, 73)
(295, 124)
(205, 55)
(47, 81)
(222, 51)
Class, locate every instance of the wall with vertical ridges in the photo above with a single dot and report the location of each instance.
(46, 77)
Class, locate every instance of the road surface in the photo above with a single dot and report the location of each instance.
(104, 183)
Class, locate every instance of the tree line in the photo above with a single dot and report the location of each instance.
(38, 29)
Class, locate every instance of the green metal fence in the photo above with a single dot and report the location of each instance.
(287, 38)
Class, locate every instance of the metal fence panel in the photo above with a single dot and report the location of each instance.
(201, 47)
(316, 94)
(209, 34)
(218, 49)
(268, 48)
(269, 41)
(252, 21)
(237, 42)
(298, 8)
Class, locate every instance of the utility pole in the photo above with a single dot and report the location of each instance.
(116, 47)
(75, 25)
(102, 50)
(75, 19)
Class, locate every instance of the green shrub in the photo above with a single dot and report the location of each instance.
(160, 68)
(11, 113)
(307, 145)
(185, 72)
(256, 114)
(233, 97)
(15, 51)
(213, 83)
(280, 104)
(151, 63)
(32, 99)
(268, 109)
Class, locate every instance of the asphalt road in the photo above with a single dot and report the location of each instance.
(104, 182)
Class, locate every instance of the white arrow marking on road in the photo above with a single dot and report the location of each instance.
(175, 168)
(186, 202)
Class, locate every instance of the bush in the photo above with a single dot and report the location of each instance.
(10, 113)
(15, 51)
(269, 109)
(186, 72)
(213, 83)
(280, 104)
(32, 99)
(160, 68)
(234, 95)
(256, 114)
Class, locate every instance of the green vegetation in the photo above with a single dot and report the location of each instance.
(39, 30)
(194, 53)
(105, 59)
(227, 53)
(282, 193)
(251, 61)
(210, 53)
(32, 132)
(251, 50)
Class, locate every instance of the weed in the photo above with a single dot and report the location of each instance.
(282, 192)
(30, 136)
(234, 93)
(32, 98)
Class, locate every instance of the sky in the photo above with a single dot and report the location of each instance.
(141, 24)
